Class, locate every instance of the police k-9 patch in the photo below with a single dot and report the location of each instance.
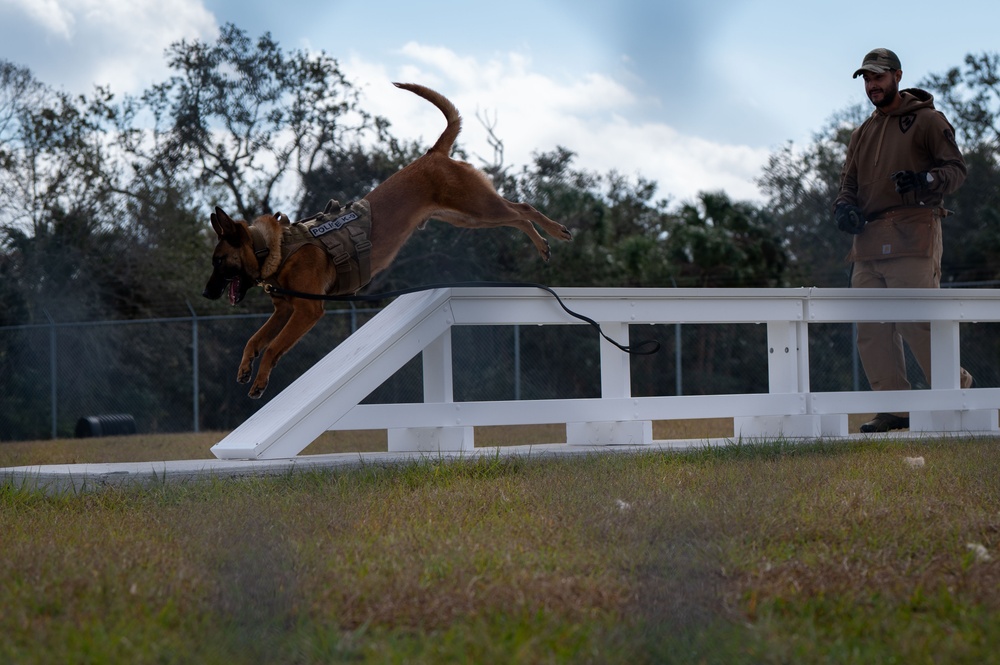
(332, 225)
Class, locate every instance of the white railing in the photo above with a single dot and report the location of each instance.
(327, 396)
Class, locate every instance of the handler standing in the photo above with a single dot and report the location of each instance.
(900, 164)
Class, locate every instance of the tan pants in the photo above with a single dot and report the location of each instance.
(880, 345)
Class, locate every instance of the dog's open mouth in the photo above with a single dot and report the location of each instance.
(235, 295)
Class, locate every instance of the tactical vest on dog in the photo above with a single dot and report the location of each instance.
(342, 231)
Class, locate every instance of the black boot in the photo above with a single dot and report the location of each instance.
(884, 422)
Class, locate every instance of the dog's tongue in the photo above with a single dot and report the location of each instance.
(234, 290)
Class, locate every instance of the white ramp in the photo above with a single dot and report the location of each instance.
(305, 409)
(328, 395)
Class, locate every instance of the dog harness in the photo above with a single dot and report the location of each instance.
(342, 232)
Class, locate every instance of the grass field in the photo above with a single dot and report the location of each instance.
(848, 552)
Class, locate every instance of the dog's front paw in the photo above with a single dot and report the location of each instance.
(257, 391)
(244, 374)
(564, 233)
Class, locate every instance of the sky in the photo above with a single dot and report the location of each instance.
(692, 95)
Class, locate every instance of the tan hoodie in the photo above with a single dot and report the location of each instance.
(914, 137)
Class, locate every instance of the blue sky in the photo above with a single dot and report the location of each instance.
(693, 95)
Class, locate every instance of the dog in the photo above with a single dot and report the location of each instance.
(432, 186)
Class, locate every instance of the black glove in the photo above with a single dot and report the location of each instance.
(849, 218)
(912, 181)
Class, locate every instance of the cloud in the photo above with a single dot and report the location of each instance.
(75, 44)
(49, 14)
(605, 113)
(592, 114)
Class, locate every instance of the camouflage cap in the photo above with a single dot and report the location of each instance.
(878, 61)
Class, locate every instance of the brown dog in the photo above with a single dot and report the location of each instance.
(433, 186)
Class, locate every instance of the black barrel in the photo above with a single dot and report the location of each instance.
(114, 424)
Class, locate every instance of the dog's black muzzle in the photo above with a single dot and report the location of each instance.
(216, 286)
(236, 286)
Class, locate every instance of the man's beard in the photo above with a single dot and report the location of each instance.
(888, 95)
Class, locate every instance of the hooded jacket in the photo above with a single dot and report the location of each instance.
(914, 137)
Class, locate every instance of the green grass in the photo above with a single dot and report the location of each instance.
(760, 552)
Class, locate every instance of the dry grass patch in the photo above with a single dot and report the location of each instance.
(753, 553)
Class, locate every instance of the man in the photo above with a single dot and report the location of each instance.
(900, 164)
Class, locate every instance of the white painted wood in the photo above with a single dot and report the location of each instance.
(439, 384)
(616, 375)
(982, 421)
(770, 427)
(328, 395)
(621, 433)
(945, 356)
(305, 409)
(431, 439)
(558, 411)
(904, 400)
(783, 356)
(509, 306)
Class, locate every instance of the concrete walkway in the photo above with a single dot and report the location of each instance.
(56, 478)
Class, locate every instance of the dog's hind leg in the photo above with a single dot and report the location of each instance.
(524, 211)
(501, 212)
(525, 219)
(541, 244)
(465, 197)
(304, 315)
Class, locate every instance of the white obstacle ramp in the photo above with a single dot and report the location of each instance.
(305, 409)
(328, 395)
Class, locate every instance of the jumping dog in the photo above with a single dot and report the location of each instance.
(433, 186)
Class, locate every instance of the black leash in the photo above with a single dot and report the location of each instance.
(644, 348)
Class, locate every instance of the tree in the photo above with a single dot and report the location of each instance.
(19, 156)
(721, 243)
(801, 185)
(970, 97)
(252, 119)
(59, 198)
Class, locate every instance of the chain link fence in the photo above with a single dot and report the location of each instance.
(178, 374)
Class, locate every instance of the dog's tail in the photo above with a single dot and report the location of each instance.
(447, 138)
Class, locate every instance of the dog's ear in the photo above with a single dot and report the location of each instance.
(216, 225)
(222, 223)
